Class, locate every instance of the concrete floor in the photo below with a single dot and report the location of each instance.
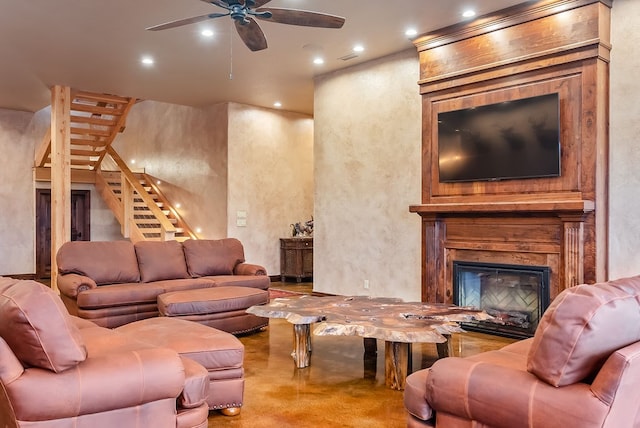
(339, 389)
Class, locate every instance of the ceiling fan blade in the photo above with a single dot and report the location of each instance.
(186, 21)
(259, 3)
(302, 17)
(218, 3)
(251, 34)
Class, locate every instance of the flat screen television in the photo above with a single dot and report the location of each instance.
(509, 140)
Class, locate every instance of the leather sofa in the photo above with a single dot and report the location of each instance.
(581, 369)
(116, 282)
(58, 371)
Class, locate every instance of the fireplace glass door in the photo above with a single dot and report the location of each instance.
(516, 296)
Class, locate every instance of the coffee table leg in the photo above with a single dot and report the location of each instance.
(397, 364)
(301, 345)
(445, 349)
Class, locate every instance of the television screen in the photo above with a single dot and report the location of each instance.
(513, 139)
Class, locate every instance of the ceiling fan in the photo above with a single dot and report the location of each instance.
(243, 12)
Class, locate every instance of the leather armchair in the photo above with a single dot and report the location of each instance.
(60, 371)
(581, 369)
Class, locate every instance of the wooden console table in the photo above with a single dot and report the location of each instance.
(296, 258)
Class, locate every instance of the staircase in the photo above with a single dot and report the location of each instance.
(141, 209)
(144, 224)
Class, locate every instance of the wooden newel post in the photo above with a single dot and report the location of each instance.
(60, 173)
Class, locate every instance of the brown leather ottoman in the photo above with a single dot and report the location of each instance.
(221, 353)
(219, 307)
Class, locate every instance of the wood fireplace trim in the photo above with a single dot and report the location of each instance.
(560, 222)
(559, 207)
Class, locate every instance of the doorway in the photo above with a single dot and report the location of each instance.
(80, 225)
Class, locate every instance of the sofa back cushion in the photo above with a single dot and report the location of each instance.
(213, 256)
(582, 327)
(106, 262)
(159, 260)
(37, 327)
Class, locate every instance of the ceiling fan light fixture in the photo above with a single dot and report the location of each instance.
(245, 13)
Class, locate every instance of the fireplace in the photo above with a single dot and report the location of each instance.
(516, 296)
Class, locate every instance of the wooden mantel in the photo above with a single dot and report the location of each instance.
(559, 207)
(533, 49)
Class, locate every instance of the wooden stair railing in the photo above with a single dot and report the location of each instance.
(183, 231)
(133, 195)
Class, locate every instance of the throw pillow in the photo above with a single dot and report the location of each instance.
(37, 326)
(108, 262)
(213, 257)
(582, 327)
(159, 260)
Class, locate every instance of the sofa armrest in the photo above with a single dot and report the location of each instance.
(196, 385)
(468, 389)
(99, 384)
(249, 269)
(617, 384)
(71, 284)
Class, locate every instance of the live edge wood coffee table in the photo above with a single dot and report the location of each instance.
(398, 323)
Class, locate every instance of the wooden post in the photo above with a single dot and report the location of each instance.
(60, 173)
(126, 193)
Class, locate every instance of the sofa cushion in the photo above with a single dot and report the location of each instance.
(106, 262)
(213, 257)
(262, 282)
(210, 300)
(108, 296)
(158, 260)
(213, 349)
(37, 327)
(582, 327)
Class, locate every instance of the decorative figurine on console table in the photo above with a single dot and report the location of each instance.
(300, 230)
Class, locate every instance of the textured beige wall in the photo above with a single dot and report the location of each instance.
(186, 149)
(20, 134)
(367, 173)
(17, 230)
(270, 178)
(624, 183)
(227, 158)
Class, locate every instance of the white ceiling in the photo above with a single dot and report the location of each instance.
(97, 46)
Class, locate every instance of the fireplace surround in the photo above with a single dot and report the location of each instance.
(515, 295)
(559, 222)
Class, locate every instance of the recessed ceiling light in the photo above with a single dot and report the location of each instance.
(318, 61)
(133, 161)
(358, 48)
(277, 104)
(411, 32)
(147, 60)
(207, 33)
(468, 13)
